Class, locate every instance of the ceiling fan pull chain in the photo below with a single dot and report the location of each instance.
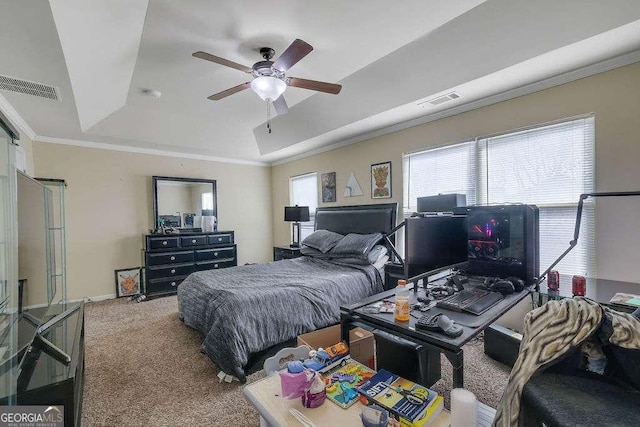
(269, 115)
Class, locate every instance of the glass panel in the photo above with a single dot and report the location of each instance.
(57, 241)
(36, 242)
(8, 272)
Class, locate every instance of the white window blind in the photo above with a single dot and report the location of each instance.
(303, 191)
(549, 166)
(440, 171)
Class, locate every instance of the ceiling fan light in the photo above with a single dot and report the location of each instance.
(268, 88)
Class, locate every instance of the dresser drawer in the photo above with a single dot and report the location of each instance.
(214, 265)
(163, 242)
(215, 254)
(169, 258)
(170, 271)
(164, 285)
(220, 239)
(186, 242)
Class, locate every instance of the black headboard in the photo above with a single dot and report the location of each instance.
(363, 219)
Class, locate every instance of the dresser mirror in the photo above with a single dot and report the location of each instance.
(185, 203)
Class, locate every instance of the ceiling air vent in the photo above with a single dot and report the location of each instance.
(440, 99)
(28, 88)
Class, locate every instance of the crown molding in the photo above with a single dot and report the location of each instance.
(140, 150)
(15, 118)
(569, 76)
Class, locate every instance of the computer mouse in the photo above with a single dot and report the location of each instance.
(518, 284)
(505, 287)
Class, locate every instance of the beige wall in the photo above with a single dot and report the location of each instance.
(109, 206)
(613, 97)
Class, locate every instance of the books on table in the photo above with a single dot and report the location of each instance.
(414, 404)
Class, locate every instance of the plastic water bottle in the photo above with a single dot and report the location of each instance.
(402, 301)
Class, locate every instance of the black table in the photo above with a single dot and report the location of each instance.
(354, 315)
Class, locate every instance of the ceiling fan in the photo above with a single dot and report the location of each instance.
(269, 77)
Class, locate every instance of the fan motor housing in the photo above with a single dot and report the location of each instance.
(263, 68)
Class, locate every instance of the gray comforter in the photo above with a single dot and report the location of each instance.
(243, 310)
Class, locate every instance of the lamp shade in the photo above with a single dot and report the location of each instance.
(268, 88)
(296, 213)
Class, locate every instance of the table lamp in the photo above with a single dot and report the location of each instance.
(296, 214)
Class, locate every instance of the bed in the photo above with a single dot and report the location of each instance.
(247, 309)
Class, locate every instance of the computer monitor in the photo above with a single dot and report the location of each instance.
(504, 241)
(434, 241)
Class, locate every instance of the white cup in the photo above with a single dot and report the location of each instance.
(464, 408)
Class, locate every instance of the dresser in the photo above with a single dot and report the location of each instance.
(170, 258)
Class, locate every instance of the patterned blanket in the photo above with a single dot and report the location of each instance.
(551, 332)
(246, 309)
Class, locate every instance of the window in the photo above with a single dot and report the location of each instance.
(207, 203)
(303, 191)
(549, 166)
(442, 170)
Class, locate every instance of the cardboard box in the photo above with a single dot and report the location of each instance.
(361, 345)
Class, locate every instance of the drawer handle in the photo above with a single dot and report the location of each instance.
(173, 283)
(164, 242)
(215, 254)
(193, 240)
(215, 265)
(219, 239)
(173, 258)
(173, 271)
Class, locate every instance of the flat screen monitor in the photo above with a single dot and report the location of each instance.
(503, 241)
(434, 241)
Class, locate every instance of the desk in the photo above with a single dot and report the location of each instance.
(353, 315)
(264, 395)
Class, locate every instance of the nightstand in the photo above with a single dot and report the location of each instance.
(285, 252)
(392, 272)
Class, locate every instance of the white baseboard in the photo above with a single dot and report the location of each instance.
(95, 299)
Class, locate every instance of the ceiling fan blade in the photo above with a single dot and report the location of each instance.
(218, 96)
(294, 53)
(281, 106)
(208, 57)
(314, 85)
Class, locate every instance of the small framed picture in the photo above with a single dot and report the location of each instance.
(328, 187)
(128, 282)
(381, 180)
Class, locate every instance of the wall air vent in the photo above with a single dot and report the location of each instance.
(440, 99)
(29, 88)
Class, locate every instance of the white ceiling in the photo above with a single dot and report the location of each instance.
(388, 57)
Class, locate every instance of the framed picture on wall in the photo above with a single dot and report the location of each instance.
(128, 282)
(328, 187)
(381, 180)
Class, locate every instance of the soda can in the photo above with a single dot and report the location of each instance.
(553, 280)
(579, 286)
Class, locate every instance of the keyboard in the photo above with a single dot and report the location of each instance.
(475, 301)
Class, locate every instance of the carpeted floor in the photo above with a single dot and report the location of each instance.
(144, 367)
